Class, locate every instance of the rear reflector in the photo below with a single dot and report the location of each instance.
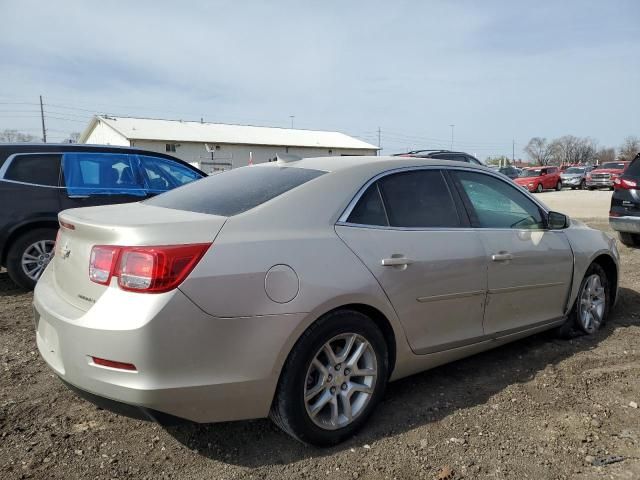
(624, 184)
(66, 225)
(152, 269)
(113, 364)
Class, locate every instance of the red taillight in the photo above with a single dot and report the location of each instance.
(624, 184)
(113, 364)
(102, 263)
(145, 269)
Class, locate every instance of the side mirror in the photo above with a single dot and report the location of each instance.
(557, 221)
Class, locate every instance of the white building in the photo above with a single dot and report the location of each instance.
(217, 146)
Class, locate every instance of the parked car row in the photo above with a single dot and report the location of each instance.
(39, 181)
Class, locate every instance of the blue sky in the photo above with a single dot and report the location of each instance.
(498, 70)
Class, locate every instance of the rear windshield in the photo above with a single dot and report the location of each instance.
(235, 191)
(634, 168)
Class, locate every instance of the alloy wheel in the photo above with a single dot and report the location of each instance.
(340, 381)
(36, 257)
(592, 304)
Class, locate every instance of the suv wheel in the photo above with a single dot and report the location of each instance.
(583, 185)
(559, 186)
(29, 255)
(333, 379)
(629, 239)
(539, 188)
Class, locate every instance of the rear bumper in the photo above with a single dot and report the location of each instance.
(625, 224)
(189, 364)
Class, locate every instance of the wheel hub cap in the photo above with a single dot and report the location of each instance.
(36, 257)
(340, 381)
(592, 304)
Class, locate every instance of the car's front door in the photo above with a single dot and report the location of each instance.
(409, 232)
(100, 178)
(530, 267)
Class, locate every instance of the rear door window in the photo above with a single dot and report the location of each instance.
(235, 191)
(36, 169)
(162, 174)
(419, 199)
(102, 174)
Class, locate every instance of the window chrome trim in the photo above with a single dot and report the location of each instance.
(342, 220)
(7, 163)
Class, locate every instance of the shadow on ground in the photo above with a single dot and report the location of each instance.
(411, 402)
(8, 288)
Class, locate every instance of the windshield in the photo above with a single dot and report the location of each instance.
(531, 173)
(615, 165)
(574, 170)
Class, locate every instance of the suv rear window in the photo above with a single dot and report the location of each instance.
(235, 191)
(633, 169)
(36, 169)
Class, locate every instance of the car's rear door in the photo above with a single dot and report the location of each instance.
(413, 237)
(100, 178)
(529, 267)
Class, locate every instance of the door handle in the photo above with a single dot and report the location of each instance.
(501, 257)
(396, 262)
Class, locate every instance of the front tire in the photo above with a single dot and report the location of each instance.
(583, 185)
(591, 308)
(539, 188)
(332, 380)
(29, 255)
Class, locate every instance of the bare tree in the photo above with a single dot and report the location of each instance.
(74, 137)
(10, 135)
(539, 150)
(570, 149)
(606, 155)
(629, 148)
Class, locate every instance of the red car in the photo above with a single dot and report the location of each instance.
(606, 174)
(537, 179)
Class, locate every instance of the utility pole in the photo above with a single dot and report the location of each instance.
(292, 117)
(379, 144)
(452, 127)
(513, 151)
(44, 131)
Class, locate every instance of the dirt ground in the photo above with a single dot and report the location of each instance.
(541, 408)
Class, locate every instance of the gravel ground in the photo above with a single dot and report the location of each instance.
(578, 203)
(540, 408)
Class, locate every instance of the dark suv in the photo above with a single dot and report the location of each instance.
(39, 180)
(442, 155)
(624, 214)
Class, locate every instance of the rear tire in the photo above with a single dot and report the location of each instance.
(558, 186)
(34, 247)
(312, 382)
(591, 308)
(583, 185)
(629, 239)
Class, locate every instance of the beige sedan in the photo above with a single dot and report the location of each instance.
(297, 290)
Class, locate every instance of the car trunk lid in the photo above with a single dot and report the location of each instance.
(134, 224)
